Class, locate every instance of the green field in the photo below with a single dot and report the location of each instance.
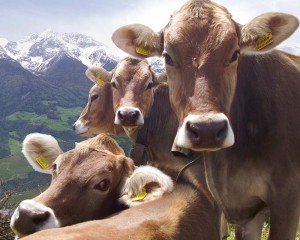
(58, 124)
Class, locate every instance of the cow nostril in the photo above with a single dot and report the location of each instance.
(193, 130)
(74, 127)
(40, 217)
(222, 131)
(121, 115)
(134, 115)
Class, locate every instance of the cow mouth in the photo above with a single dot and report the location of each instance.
(130, 129)
(85, 133)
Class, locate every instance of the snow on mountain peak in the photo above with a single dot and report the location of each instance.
(36, 51)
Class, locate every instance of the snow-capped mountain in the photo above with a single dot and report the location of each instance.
(37, 51)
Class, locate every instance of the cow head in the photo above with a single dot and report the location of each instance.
(86, 183)
(98, 114)
(201, 45)
(132, 83)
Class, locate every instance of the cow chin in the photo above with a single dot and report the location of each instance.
(31, 217)
(209, 132)
(80, 128)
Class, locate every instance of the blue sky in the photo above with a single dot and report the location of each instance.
(99, 18)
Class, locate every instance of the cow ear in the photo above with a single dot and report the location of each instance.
(105, 142)
(138, 40)
(98, 75)
(128, 165)
(145, 184)
(267, 31)
(41, 150)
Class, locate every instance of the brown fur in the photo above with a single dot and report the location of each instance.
(131, 75)
(160, 126)
(71, 194)
(170, 217)
(99, 117)
(260, 96)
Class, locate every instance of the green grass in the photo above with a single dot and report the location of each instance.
(14, 135)
(60, 124)
(26, 116)
(15, 165)
(265, 232)
(48, 103)
(66, 113)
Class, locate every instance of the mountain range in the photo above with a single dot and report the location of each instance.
(38, 52)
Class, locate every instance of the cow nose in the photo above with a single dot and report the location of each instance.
(210, 133)
(128, 117)
(74, 127)
(28, 221)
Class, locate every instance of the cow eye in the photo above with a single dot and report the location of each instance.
(149, 86)
(94, 97)
(235, 56)
(103, 185)
(168, 59)
(113, 84)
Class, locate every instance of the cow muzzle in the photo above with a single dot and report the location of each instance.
(129, 117)
(31, 217)
(209, 132)
(80, 128)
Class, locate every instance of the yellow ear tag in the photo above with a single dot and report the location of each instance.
(142, 51)
(42, 161)
(140, 196)
(100, 81)
(264, 41)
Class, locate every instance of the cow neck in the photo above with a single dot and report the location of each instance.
(118, 130)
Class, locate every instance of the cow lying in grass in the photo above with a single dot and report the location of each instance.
(86, 183)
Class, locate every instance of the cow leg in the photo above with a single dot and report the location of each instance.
(251, 230)
(284, 219)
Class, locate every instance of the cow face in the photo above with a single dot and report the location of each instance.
(98, 114)
(87, 183)
(201, 45)
(84, 183)
(132, 85)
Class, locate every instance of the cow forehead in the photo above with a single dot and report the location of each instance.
(131, 68)
(95, 89)
(85, 161)
(206, 23)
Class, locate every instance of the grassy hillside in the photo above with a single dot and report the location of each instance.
(14, 165)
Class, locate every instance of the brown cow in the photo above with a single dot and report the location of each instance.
(86, 183)
(172, 217)
(98, 115)
(138, 99)
(223, 96)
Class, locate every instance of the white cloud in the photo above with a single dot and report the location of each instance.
(100, 18)
(156, 15)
